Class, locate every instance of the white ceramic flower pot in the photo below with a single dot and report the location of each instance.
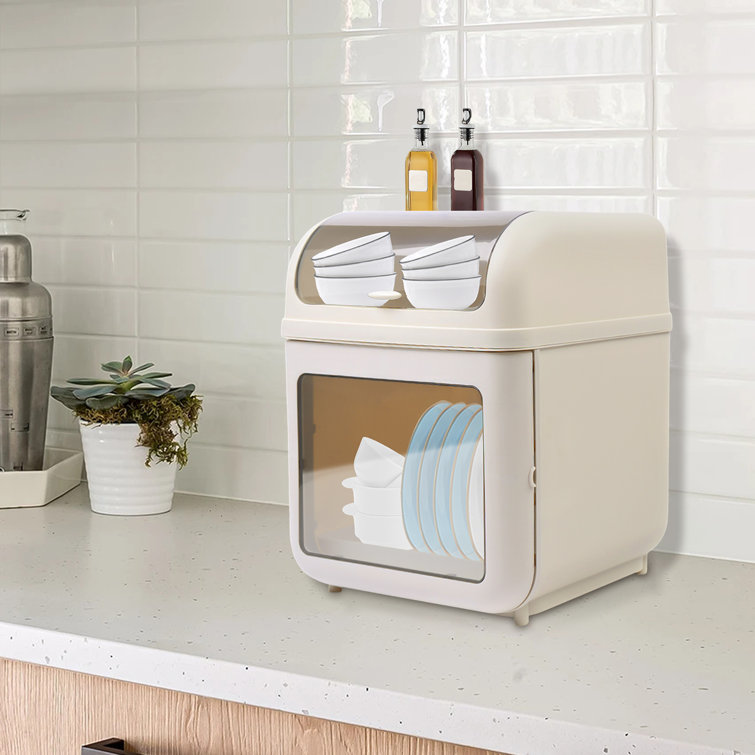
(119, 481)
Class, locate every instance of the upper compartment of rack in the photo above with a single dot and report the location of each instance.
(522, 281)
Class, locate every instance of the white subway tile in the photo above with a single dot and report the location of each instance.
(68, 165)
(616, 162)
(218, 318)
(709, 224)
(713, 285)
(388, 109)
(246, 370)
(369, 163)
(567, 202)
(69, 24)
(714, 405)
(76, 212)
(240, 473)
(213, 267)
(375, 58)
(697, 161)
(219, 114)
(94, 311)
(713, 344)
(102, 69)
(691, 7)
(243, 423)
(487, 12)
(84, 261)
(693, 102)
(712, 466)
(106, 116)
(703, 45)
(575, 51)
(213, 165)
(558, 106)
(335, 15)
(200, 65)
(310, 208)
(82, 356)
(210, 215)
(62, 419)
(198, 19)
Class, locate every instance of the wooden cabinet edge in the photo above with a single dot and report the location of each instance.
(49, 710)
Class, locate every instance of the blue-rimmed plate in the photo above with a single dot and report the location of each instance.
(476, 501)
(410, 479)
(443, 476)
(460, 486)
(426, 490)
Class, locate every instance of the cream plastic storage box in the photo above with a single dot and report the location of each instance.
(533, 425)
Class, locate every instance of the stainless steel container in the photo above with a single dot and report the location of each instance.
(25, 351)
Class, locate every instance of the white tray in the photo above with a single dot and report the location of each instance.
(61, 473)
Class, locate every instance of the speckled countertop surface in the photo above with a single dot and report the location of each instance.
(207, 599)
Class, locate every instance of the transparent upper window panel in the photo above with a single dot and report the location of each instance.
(391, 474)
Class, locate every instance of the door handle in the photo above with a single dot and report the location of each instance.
(117, 746)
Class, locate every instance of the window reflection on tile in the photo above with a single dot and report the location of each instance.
(558, 106)
(705, 103)
(373, 110)
(496, 11)
(576, 51)
(354, 15)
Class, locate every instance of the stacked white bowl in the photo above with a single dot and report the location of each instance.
(350, 272)
(443, 276)
(376, 509)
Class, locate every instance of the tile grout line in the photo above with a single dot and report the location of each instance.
(137, 212)
(653, 115)
(289, 124)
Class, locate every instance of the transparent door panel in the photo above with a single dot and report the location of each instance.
(391, 474)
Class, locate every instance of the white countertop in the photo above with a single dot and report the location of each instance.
(207, 599)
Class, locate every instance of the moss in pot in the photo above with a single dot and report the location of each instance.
(134, 429)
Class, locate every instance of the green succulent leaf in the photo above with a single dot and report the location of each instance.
(85, 393)
(105, 402)
(127, 365)
(112, 367)
(144, 367)
(89, 381)
(148, 375)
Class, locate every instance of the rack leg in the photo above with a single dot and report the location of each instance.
(644, 569)
(522, 616)
(333, 588)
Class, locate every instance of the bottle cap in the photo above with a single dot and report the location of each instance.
(420, 130)
(466, 131)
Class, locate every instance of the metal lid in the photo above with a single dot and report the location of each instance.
(20, 297)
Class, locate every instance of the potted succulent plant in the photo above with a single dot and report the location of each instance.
(134, 428)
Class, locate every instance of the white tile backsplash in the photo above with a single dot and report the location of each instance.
(172, 151)
(50, 71)
(562, 51)
(212, 65)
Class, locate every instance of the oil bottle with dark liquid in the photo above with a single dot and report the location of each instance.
(467, 192)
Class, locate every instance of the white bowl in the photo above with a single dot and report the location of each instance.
(375, 501)
(461, 249)
(384, 266)
(354, 292)
(376, 464)
(365, 248)
(386, 531)
(444, 294)
(445, 272)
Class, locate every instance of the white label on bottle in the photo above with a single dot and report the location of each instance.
(462, 180)
(417, 180)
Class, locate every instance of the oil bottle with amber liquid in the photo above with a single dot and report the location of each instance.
(421, 170)
(467, 169)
